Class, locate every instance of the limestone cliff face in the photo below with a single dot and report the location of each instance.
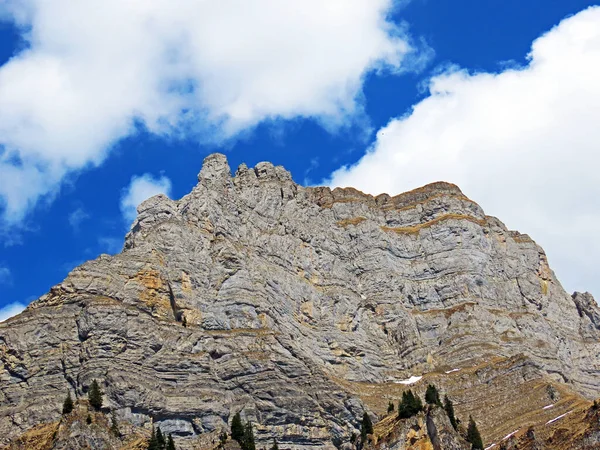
(297, 301)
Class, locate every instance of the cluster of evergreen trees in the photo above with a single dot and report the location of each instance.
(411, 405)
(94, 397)
(243, 434)
(158, 442)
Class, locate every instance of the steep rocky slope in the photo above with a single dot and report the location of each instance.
(302, 306)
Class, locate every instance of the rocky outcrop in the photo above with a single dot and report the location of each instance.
(288, 294)
(428, 430)
(83, 428)
(578, 429)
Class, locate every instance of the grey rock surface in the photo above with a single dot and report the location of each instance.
(285, 291)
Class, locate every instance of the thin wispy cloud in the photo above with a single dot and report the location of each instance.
(5, 275)
(110, 245)
(77, 217)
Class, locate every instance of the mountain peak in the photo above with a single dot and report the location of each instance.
(215, 168)
(302, 308)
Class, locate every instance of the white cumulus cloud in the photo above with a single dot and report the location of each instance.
(94, 72)
(10, 310)
(524, 143)
(141, 188)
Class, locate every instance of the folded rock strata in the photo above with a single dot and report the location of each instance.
(290, 295)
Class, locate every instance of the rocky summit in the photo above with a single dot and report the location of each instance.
(302, 309)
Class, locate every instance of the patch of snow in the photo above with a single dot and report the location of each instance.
(509, 435)
(548, 407)
(453, 370)
(559, 417)
(488, 448)
(411, 380)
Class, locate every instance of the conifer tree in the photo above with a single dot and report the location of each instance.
(170, 443)
(403, 410)
(153, 442)
(473, 435)
(366, 427)
(432, 395)
(68, 404)
(248, 440)
(449, 407)
(410, 405)
(95, 396)
(274, 446)
(237, 429)
(160, 439)
(417, 403)
(114, 427)
(390, 407)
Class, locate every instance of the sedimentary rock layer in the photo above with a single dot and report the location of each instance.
(286, 294)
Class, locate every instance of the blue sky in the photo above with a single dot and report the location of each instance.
(70, 209)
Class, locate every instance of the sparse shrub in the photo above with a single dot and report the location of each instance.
(223, 437)
(274, 446)
(390, 407)
(88, 419)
